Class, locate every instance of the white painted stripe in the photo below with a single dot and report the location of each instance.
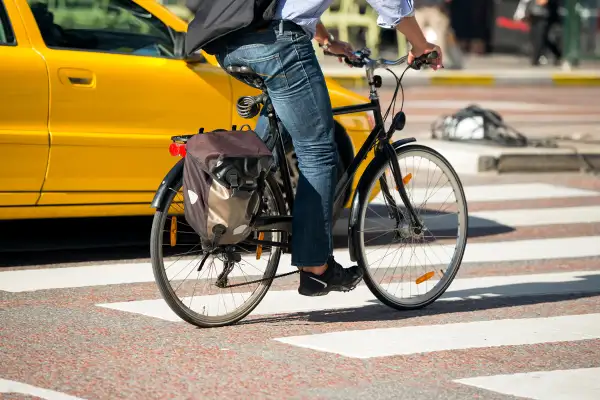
(540, 216)
(289, 301)
(518, 250)
(570, 384)
(443, 193)
(489, 219)
(467, 335)
(29, 280)
(111, 274)
(7, 386)
(493, 104)
(531, 119)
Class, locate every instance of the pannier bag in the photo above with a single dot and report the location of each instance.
(223, 175)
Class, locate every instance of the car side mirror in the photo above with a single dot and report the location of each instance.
(195, 58)
(179, 49)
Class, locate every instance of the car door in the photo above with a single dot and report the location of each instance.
(117, 96)
(23, 113)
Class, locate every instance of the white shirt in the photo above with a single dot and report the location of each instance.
(306, 13)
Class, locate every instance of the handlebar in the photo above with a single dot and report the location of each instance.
(361, 59)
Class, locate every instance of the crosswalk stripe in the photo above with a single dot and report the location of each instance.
(387, 342)
(289, 301)
(582, 383)
(570, 384)
(503, 192)
(498, 105)
(517, 250)
(112, 274)
(490, 219)
(534, 217)
(7, 386)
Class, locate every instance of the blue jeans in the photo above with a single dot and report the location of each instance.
(285, 58)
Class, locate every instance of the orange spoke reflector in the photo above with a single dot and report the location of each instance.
(261, 236)
(173, 231)
(425, 277)
(405, 180)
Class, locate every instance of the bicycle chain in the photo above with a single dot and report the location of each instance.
(263, 279)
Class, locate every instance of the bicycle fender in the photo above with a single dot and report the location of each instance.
(168, 182)
(362, 191)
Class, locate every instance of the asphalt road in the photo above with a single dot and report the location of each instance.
(521, 320)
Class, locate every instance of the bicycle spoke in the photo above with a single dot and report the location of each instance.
(400, 271)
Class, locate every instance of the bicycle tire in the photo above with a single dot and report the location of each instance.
(371, 175)
(173, 301)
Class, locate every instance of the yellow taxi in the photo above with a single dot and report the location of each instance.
(91, 92)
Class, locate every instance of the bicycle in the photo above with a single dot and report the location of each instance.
(275, 216)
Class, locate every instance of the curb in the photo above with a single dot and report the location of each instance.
(466, 79)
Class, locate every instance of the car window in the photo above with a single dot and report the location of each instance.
(113, 26)
(7, 36)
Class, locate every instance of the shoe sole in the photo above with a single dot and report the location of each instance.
(328, 290)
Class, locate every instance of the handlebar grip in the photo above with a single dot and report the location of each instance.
(432, 56)
(424, 59)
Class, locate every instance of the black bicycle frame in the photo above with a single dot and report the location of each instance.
(283, 222)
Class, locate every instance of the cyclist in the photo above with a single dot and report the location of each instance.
(283, 54)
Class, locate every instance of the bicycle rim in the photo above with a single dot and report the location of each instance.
(180, 294)
(413, 270)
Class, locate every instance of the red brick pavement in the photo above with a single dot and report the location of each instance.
(59, 339)
(534, 111)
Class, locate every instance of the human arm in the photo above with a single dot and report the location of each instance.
(409, 27)
(330, 44)
(399, 15)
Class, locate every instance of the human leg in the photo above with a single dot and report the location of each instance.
(538, 26)
(296, 85)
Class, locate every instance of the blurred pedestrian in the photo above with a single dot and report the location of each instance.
(432, 14)
(541, 15)
(473, 23)
(434, 18)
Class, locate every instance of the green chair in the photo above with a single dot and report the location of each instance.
(400, 39)
(346, 15)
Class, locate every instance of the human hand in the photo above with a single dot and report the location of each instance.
(541, 2)
(426, 48)
(340, 47)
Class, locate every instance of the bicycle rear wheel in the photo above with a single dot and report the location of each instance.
(176, 255)
(388, 274)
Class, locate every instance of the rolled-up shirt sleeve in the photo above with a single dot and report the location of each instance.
(391, 12)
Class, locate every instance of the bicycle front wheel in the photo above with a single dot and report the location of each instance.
(406, 268)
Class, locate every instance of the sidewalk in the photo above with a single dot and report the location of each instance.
(493, 70)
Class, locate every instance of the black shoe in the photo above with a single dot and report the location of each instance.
(335, 278)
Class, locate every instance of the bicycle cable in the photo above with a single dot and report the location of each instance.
(391, 107)
(395, 95)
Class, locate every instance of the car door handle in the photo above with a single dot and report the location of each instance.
(79, 80)
(77, 77)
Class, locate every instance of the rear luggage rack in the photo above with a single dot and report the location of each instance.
(181, 138)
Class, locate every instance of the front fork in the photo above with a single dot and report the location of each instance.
(390, 153)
